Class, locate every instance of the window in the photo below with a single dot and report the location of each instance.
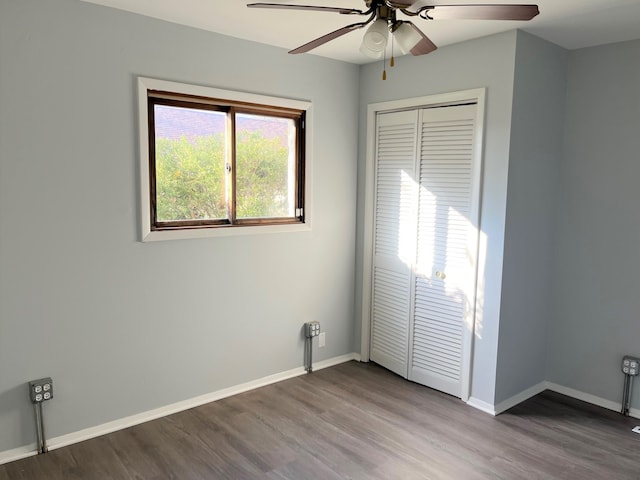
(214, 160)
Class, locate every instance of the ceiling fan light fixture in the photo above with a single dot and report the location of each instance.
(375, 38)
(406, 37)
(370, 53)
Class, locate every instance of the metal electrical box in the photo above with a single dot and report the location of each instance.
(311, 329)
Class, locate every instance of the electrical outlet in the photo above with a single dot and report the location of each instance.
(322, 338)
(630, 365)
(41, 390)
(311, 329)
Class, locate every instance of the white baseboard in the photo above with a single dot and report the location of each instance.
(541, 387)
(587, 397)
(520, 397)
(331, 362)
(481, 405)
(126, 422)
(18, 453)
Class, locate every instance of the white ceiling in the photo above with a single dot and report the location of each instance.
(569, 23)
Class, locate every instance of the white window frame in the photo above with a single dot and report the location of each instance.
(146, 233)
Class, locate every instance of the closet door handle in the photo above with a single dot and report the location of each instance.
(441, 275)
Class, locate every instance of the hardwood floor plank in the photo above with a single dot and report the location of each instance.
(342, 452)
(355, 421)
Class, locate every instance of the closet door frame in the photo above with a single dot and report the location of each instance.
(476, 96)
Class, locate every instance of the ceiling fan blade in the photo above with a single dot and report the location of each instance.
(424, 46)
(327, 38)
(480, 12)
(344, 11)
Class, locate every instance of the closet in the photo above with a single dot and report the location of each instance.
(425, 243)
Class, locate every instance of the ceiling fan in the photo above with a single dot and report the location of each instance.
(382, 16)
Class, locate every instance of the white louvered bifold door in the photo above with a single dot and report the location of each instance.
(444, 279)
(394, 238)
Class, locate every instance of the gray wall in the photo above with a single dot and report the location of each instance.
(487, 62)
(529, 254)
(122, 326)
(597, 273)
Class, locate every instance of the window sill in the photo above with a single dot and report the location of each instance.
(184, 234)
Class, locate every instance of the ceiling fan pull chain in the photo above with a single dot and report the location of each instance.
(392, 62)
(384, 65)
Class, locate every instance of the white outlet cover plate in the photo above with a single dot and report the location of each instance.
(636, 429)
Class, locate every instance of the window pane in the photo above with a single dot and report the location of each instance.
(190, 160)
(265, 166)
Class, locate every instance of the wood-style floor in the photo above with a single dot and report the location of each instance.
(355, 421)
